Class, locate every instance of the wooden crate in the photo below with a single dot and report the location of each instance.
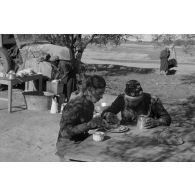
(55, 87)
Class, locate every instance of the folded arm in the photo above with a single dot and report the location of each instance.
(115, 107)
(70, 122)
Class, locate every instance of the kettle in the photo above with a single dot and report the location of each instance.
(11, 75)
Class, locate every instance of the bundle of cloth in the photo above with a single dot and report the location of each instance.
(165, 63)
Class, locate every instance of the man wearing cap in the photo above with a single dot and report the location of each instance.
(133, 103)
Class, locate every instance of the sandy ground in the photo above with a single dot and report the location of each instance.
(27, 135)
(133, 55)
(31, 136)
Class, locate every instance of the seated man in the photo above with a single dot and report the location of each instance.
(77, 116)
(134, 103)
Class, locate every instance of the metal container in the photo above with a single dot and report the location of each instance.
(11, 76)
(98, 136)
(141, 121)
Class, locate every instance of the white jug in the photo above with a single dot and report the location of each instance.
(54, 105)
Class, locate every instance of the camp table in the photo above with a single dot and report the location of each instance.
(11, 82)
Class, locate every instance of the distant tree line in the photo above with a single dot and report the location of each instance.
(185, 40)
(77, 43)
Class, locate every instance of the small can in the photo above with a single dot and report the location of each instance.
(98, 136)
(141, 121)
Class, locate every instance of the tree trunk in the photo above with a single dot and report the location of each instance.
(1, 40)
(79, 55)
(71, 52)
(174, 52)
(18, 43)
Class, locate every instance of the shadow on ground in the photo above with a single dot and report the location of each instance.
(188, 79)
(139, 149)
(147, 148)
(183, 112)
(15, 108)
(117, 70)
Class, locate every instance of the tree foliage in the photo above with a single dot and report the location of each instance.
(185, 40)
(77, 43)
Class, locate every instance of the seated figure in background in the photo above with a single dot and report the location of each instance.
(134, 103)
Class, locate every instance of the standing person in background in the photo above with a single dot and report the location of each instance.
(164, 56)
(67, 76)
(65, 72)
(165, 63)
(69, 73)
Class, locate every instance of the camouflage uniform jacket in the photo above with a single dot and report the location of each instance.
(150, 106)
(75, 116)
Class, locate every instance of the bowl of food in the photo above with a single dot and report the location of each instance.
(119, 129)
(98, 136)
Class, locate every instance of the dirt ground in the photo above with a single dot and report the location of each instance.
(31, 136)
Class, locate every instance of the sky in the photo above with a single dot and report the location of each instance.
(146, 37)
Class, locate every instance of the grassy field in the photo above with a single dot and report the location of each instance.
(141, 62)
(132, 53)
